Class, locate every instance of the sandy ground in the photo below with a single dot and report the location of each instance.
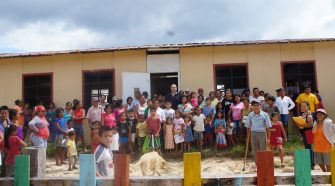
(214, 166)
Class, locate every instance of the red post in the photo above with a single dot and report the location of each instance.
(265, 168)
(121, 169)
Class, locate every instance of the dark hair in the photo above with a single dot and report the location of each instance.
(207, 99)
(58, 111)
(274, 114)
(108, 106)
(12, 113)
(145, 94)
(236, 95)
(153, 109)
(130, 110)
(118, 103)
(9, 131)
(217, 106)
(74, 101)
(168, 101)
(68, 103)
(129, 98)
(305, 102)
(183, 96)
(246, 99)
(71, 133)
(52, 103)
(217, 114)
(104, 129)
(4, 107)
(18, 101)
(271, 98)
(256, 88)
(75, 104)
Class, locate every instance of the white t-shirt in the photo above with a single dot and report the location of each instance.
(115, 142)
(260, 99)
(104, 161)
(169, 113)
(199, 124)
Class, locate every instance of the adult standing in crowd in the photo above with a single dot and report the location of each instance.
(94, 113)
(136, 100)
(19, 107)
(256, 96)
(213, 99)
(184, 107)
(139, 110)
(173, 96)
(201, 93)
(310, 98)
(285, 104)
(324, 137)
(4, 120)
(109, 118)
(68, 112)
(227, 101)
(103, 102)
(258, 125)
(218, 95)
(78, 124)
(119, 108)
(129, 103)
(39, 124)
(236, 113)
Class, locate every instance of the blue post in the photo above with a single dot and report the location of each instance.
(87, 170)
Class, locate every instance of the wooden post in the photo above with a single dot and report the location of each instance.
(22, 170)
(37, 160)
(87, 169)
(265, 168)
(192, 169)
(332, 166)
(121, 169)
(302, 167)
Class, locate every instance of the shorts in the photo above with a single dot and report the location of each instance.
(123, 139)
(322, 158)
(60, 141)
(73, 159)
(236, 127)
(198, 135)
(78, 129)
(38, 141)
(140, 141)
(132, 137)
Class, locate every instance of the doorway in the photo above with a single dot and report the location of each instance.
(161, 82)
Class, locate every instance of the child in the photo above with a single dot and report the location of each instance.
(61, 132)
(219, 120)
(168, 111)
(11, 144)
(194, 100)
(169, 143)
(115, 141)
(188, 134)
(124, 132)
(103, 154)
(208, 134)
(154, 128)
(199, 127)
(141, 131)
(94, 135)
(132, 121)
(230, 136)
(178, 123)
(221, 141)
(276, 136)
(72, 150)
(208, 109)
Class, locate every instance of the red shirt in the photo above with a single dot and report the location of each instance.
(78, 113)
(153, 124)
(14, 149)
(109, 119)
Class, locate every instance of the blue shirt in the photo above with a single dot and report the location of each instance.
(257, 123)
(217, 122)
(62, 125)
(206, 110)
(208, 128)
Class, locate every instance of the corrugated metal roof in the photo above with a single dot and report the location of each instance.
(162, 46)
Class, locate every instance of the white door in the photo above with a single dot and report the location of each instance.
(132, 81)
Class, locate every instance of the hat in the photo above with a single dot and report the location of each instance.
(321, 111)
(200, 89)
(280, 89)
(255, 102)
(187, 90)
(115, 98)
(39, 108)
(95, 99)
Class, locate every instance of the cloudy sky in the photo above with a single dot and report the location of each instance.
(44, 25)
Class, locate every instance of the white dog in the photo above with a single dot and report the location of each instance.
(152, 161)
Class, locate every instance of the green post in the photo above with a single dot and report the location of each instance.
(302, 167)
(22, 170)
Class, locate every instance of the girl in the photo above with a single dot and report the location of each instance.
(124, 132)
(68, 112)
(61, 133)
(201, 101)
(188, 133)
(78, 116)
(141, 106)
(169, 143)
(194, 100)
(13, 116)
(119, 108)
(11, 145)
(39, 126)
(129, 105)
(219, 107)
(230, 126)
(185, 108)
(235, 112)
(221, 141)
(108, 118)
(276, 136)
(95, 135)
(219, 120)
(178, 122)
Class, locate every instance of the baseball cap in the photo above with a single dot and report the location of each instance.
(95, 99)
(321, 111)
(40, 108)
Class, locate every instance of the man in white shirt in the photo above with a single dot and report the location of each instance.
(256, 96)
(285, 104)
(95, 112)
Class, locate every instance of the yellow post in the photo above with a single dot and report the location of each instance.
(192, 169)
(332, 166)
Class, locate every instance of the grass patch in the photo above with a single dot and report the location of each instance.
(51, 149)
(294, 143)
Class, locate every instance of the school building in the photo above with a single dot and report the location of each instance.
(62, 76)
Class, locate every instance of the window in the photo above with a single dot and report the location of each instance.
(234, 77)
(96, 84)
(297, 76)
(37, 88)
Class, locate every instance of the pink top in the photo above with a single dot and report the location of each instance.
(194, 102)
(236, 111)
(40, 125)
(178, 124)
(95, 113)
(109, 119)
(118, 112)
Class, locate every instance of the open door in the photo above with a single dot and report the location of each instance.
(132, 81)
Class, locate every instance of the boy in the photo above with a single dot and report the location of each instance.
(103, 154)
(141, 131)
(72, 150)
(208, 134)
(199, 127)
(208, 109)
(132, 123)
(169, 112)
(154, 128)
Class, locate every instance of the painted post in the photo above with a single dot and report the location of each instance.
(302, 167)
(332, 166)
(87, 170)
(192, 169)
(121, 167)
(265, 168)
(22, 170)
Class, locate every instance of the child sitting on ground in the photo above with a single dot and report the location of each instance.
(103, 154)
(72, 150)
(276, 135)
(94, 135)
(141, 131)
